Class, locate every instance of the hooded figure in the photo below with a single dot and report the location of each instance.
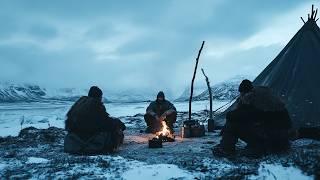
(158, 111)
(90, 128)
(260, 119)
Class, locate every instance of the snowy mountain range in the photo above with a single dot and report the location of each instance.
(10, 92)
(18, 93)
(186, 93)
(226, 90)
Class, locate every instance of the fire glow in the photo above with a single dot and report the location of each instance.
(165, 131)
(165, 134)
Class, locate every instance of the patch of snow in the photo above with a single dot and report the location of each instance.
(2, 166)
(155, 172)
(92, 171)
(122, 168)
(276, 171)
(302, 142)
(215, 164)
(36, 160)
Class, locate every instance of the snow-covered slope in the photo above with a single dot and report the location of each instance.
(186, 93)
(10, 92)
(222, 91)
(226, 90)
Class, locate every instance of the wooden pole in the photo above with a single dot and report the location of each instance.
(193, 78)
(210, 92)
(210, 120)
(312, 11)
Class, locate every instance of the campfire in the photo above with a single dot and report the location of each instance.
(164, 135)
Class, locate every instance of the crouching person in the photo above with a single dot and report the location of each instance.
(158, 111)
(90, 128)
(260, 119)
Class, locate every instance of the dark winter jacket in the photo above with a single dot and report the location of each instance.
(157, 108)
(270, 110)
(88, 117)
(262, 98)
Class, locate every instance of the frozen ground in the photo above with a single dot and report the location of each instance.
(38, 153)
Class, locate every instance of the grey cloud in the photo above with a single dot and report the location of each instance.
(130, 45)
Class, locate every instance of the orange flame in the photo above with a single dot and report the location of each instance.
(165, 131)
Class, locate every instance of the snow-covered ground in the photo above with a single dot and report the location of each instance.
(189, 158)
(44, 115)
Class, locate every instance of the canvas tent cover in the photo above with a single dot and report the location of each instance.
(294, 75)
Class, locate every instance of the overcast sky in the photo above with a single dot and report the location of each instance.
(143, 44)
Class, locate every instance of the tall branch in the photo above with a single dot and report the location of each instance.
(194, 76)
(312, 11)
(210, 93)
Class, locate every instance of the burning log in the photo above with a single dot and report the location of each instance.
(165, 131)
(164, 135)
(166, 138)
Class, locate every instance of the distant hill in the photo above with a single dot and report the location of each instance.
(10, 92)
(226, 90)
(186, 93)
(17, 93)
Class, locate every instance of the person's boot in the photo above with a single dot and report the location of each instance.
(226, 148)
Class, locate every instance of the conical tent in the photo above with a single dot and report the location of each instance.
(294, 75)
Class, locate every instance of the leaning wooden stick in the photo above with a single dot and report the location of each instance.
(194, 76)
(210, 92)
(210, 120)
